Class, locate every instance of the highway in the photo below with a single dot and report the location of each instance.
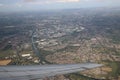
(41, 71)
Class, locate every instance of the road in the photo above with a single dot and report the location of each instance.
(41, 71)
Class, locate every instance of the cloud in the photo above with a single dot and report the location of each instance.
(49, 1)
(18, 5)
(67, 0)
(29, 0)
(1, 5)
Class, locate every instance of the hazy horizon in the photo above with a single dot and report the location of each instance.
(35, 5)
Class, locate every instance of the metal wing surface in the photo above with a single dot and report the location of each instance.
(41, 71)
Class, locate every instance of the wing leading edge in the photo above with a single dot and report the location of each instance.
(41, 71)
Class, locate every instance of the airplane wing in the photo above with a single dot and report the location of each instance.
(41, 71)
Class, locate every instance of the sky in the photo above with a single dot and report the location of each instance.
(31, 5)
